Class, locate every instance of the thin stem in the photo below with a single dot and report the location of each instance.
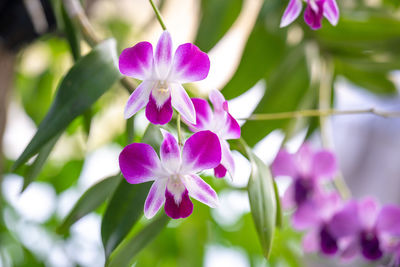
(158, 14)
(320, 112)
(178, 125)
(76, 13)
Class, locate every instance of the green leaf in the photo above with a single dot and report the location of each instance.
(34, 170)
(279, 215)
(86, 81)
(264, 51)
(217, 17)
(262, 199)
(282, 94)
(129, 248)
(71, 34)
(126, 205)
(90, 200)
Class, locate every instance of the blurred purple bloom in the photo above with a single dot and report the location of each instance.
(174, 176)
(315, 11)
(305, 167)
(220, 122)
(162, 75)
(366, 229)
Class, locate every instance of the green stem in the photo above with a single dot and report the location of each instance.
(158, 14)
(178, 124)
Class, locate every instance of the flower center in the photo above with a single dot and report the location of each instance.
(328, 243)
(161, 93)
(302, 190)
(370, 245)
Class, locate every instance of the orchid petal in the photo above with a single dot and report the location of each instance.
(163, 55)
(203, 114)
(310, 242)
(158, 115)
(331, 11)
(218, 101)
(170, 153)
(201, 151)
(200, 190)
(231, 130)
(368, 212)
(303, 160)
(305, 217)
(139, 163)
(351, 249)
(155, 198)
(323, 164)
(389, 220)
(220, 171)
(284, 164)
(313, 14)
(287, 200)
(190, 64)
(178, 210)
(182, 103)
(138, 99)
(227, 158)
(137, 61)
(291, 12)
(345, 222)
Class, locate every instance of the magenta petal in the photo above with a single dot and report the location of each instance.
(170, 152)
(350, 250)
(139, 163)
(182, 103)
(200, 190)
(190, 64)
(137, 61)
(310, 242)
(227, 158)
(218, 101)
(158, 115)
(368, 212)
(314, 13)
(155, 198)
(138, 99)
(305, 217)
(323, 164)
(291, 12)
(389, 220)
(284, 164)
(231, 129)
(203, 113)
(163, 55)
(220, 171)
(345, 222)
(201, 151)
(331, 11)
(178, 210)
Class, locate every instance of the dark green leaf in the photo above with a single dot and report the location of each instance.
(128, 249)
(279, 215)
(71, 33)
(286, 89)
(127, 203)
(264, 51)
(262, 199)
(90, 200)
(217, 17)
(87, 80)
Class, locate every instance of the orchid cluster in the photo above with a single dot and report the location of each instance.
(175, 170)
(334, 226)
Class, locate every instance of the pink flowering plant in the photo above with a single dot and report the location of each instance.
(222, 142)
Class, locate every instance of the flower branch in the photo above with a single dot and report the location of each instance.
(158, 15)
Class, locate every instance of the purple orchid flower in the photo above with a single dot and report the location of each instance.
(174, 177)
(219, 122)
(315, 11)
(162, 75)
(306, 168)
(366, 229)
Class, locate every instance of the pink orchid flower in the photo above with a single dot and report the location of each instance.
(315, 11)
(163, 75)
(219, 122)
(174, 176)
(366, 228)
(306, 168)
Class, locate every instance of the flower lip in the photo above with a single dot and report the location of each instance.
(328, 243)
(370, 245)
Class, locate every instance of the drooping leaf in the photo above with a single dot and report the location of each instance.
(217, 16)
(262, 199)
(129, 248)
(86, 81)
(90, 200)
(71, 33)
(127, 203)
